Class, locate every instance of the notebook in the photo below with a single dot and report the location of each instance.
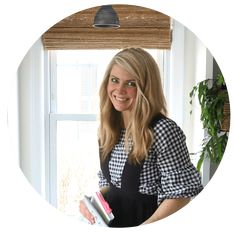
(99, 208)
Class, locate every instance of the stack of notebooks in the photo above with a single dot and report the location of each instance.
(99, 208)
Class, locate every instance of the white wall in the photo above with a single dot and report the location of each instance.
(31, 116)
(190, 64)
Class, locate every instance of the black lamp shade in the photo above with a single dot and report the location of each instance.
(106, 17)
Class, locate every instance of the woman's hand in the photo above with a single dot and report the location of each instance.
(86, 213)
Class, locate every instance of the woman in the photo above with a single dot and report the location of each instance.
(146, 173)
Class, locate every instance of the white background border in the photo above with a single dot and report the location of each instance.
(22, 22)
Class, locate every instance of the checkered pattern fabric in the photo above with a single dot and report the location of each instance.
(167, 171)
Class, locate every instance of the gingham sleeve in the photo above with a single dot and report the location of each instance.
(102, 180)
(178, 176)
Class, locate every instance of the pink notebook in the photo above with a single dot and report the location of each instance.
(99, 208)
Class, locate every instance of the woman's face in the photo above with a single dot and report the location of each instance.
(121, 89)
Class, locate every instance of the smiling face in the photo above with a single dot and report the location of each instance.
(121, 89)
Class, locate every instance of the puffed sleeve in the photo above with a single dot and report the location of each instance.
(178, 176)
(102, 180)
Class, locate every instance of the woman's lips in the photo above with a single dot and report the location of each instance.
(121, 99)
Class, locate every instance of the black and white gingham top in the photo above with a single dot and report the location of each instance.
(167, 171)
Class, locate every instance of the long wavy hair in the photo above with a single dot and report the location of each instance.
(150, 101)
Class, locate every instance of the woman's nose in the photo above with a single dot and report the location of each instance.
(121, 88)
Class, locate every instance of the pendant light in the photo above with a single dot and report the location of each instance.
(106, 17)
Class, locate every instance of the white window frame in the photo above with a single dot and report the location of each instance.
(52, 127)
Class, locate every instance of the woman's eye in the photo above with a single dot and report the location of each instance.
(114, 80)
(131, 84)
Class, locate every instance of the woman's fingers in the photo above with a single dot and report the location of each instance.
(86, 213)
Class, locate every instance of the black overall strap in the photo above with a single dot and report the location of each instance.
(105, 168)
(131, 177)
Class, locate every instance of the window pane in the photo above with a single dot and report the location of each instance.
(77, 163)
(79, 74)
(77, 85)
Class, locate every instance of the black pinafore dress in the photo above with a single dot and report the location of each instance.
(129, 206)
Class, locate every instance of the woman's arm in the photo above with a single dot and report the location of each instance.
(167, 207)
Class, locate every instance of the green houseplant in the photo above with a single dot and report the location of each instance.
(213, 98)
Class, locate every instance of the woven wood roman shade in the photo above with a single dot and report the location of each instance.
(139, 26)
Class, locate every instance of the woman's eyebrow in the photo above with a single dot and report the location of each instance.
(114, 76)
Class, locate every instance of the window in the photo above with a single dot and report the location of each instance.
(75, 77)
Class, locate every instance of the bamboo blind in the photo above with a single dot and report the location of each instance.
(139, 26)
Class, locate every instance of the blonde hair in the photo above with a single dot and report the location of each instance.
(150, 101)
